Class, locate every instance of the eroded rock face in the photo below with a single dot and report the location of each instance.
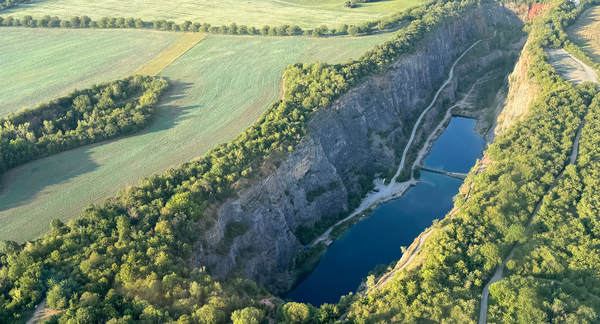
(523, 91)
(365, 129)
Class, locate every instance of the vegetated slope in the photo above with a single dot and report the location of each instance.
(462, 253)
(42, 64)
(219, 87)
(252, 13)
(128, 260)
(586, 32)
(554, 273)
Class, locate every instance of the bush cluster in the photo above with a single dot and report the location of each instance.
(83, 117)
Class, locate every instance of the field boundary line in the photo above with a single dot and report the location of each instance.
(170, 55)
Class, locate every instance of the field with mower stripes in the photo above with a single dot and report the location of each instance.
(41, 64)
(305, 13)
(220, 86)
(586, 33)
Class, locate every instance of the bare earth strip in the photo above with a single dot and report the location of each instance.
(41, 313)
(169, 56)
(569, 67)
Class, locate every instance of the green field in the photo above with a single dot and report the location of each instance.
(220, 87)
(38, 65)
(305, 13)
(586, 32)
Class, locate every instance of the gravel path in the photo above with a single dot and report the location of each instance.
(498, 274)
(395, 189)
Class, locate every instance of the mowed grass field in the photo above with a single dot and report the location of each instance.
(40, 64)
(305, 13)
(586, 33)
(221, 86)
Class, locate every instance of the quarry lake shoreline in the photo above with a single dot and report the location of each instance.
(377, 239)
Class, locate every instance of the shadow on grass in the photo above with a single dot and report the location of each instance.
(169, 112)
(22, 184)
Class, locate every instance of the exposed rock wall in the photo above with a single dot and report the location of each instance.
(522, 92)
(344, 140)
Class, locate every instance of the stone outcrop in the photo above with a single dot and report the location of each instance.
(523, 91)
(364, 130)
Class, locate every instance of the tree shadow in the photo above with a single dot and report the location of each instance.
(21, 185)
(169, 112)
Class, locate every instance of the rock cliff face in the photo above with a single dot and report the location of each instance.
(523, 91)
(364, 130)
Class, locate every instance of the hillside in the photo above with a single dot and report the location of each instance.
(219, 87)
(213, 238)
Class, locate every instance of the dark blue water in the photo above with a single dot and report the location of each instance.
(377, 239)
(457, 148)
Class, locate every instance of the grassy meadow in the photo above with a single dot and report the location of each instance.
(305, 13)
(41, 64)
(220, 86)
(586, 33)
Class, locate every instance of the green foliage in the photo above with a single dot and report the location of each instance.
(249, 315)
(83, 117)
(296, 313)
(75, 22)
(57, 297)
(128, 259)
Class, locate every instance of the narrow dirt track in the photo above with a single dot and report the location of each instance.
(396, 189)
(573, 158)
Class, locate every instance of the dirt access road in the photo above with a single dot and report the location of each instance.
(573, 70)
(395, 189)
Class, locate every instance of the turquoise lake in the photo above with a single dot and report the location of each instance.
(377, 239)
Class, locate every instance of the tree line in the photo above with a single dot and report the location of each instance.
(83, 117)
(233, 29)
(74, 22)
(463, 253)
(128, 260)
(11, 3)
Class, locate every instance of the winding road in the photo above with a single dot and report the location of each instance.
(395, 189)
(498, 274)
(414, 131)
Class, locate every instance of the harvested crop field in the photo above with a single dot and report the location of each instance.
(586, 33)
(172, 53)
(41, 64)
(220, 87)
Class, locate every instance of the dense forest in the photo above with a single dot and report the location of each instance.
(555, 277)
(127, 260)
(83, 117)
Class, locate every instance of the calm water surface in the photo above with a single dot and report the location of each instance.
(377, 239)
